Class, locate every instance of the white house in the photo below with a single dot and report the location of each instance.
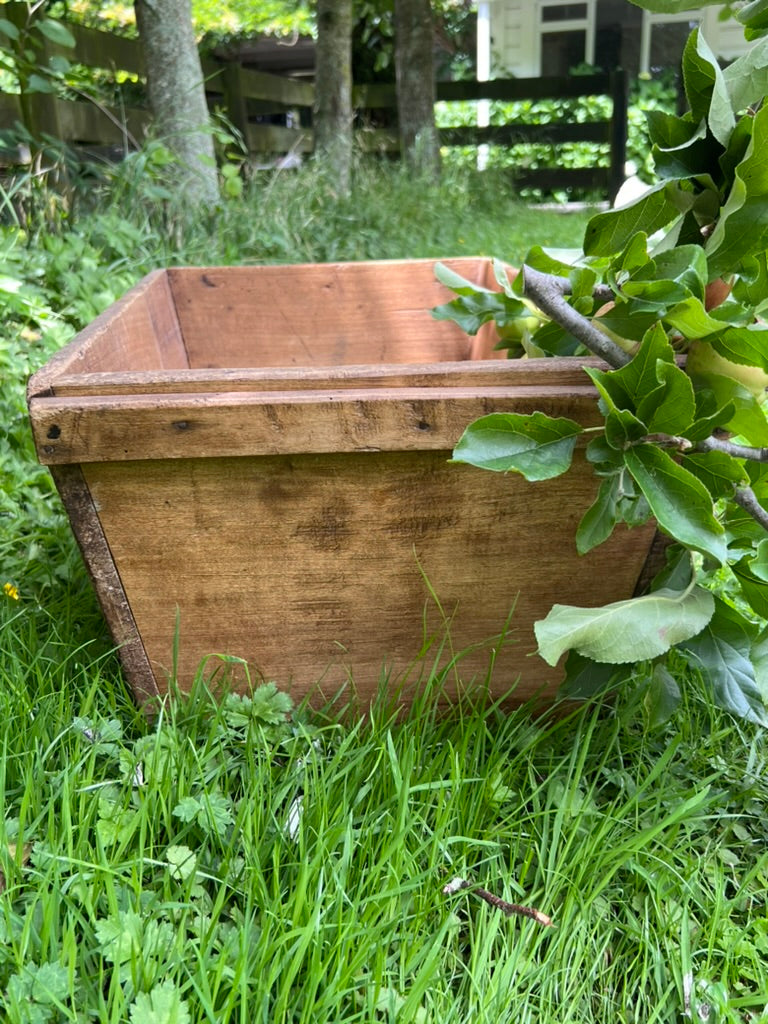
(528, 38)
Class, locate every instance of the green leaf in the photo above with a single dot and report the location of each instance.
(59, 65)
(718, 471)
(708, 416)
(640, 376)
(187, 809)
(751, 287)
(606, 459)
(635, 630)
(672, 407)
(678, 571)
(662, 697)
(680, 502)
(722, 654)
(585, 679)
(745, 76)
(216, 813)
(8, 29)
(120, 937)
(608, 233)
(162, 1005)
(742, 229)
(470, 312)
(44, 985)
(680, 147)
(537, 446)
(748, 419)
(747, 346)
(56, 32)
(622, 427)
(759, 659)
(706, 88)
(181, 861)
(598, 521)
(540, 259)
(754, 589)
(36, 83)
(456, 282)
(754, 16)
(759, 563)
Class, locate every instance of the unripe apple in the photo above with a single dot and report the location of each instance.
(521, 327)
(703, 359)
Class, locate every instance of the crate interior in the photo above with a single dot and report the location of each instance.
(322, 315)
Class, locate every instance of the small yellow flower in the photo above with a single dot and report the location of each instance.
(10, 591)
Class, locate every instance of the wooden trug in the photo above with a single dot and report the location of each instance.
(264, 452)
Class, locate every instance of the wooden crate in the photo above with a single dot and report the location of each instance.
(264, 452)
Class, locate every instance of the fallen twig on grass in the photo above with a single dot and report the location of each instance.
(510, 909)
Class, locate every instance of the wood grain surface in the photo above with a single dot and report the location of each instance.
(119, 428)
(321, 569)
(323, 314)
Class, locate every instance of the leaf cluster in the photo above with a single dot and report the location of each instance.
(683, 443)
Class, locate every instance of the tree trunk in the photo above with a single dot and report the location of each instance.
(333, 89)
(415, 76)
(177, 93)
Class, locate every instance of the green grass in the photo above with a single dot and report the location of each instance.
(185, 881)
(151, 874)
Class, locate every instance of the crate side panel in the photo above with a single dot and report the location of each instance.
(139, 332)
(321, 315)
(313, 567)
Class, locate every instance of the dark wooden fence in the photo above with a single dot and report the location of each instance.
(274, 114)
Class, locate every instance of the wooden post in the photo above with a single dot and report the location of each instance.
(234, 99)
(618, 131)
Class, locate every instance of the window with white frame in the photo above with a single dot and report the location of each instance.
(663, 38)
(566, 34)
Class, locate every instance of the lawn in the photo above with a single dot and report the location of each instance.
(244, 861)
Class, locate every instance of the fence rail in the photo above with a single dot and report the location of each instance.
(256, 103)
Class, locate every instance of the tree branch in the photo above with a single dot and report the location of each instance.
(548, 293)
(746, 497)
(738, 451)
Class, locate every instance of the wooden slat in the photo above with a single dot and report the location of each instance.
(276, 138)
(380, 95)
(120, 428)
(259, 85)
(525, 134)
(542, 87)
(84, 123)
(563, 177)
(501, 372)
(317, 568)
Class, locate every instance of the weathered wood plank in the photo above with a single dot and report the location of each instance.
(381, 94)
(544, 87)
(514, 134)
(598, 178)
(276, 138)
(259, 85)
(86, 123)
(121, 428)
(501, 372)
(315, 568)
